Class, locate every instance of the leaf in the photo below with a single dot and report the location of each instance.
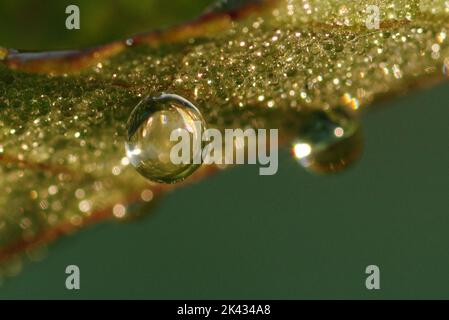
(264, 64)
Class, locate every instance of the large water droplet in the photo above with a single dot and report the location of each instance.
(328, 141)
(148, 145)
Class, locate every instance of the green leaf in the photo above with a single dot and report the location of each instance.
(265, 65)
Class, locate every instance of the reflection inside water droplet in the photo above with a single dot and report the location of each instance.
(328, 141)
(148, 145)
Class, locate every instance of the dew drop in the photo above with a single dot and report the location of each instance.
(328, 141)
(129, 42)
(148, 145)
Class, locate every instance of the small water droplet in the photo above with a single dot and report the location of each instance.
(148, 145)
(446, 67)
(129, 42)
(328, 141)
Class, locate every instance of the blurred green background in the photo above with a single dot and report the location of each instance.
(239, 235)
(40, 25)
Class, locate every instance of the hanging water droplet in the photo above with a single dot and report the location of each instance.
(328, 141)
(148, 145)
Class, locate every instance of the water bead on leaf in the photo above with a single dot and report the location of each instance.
(148, 144)
(328, 141)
